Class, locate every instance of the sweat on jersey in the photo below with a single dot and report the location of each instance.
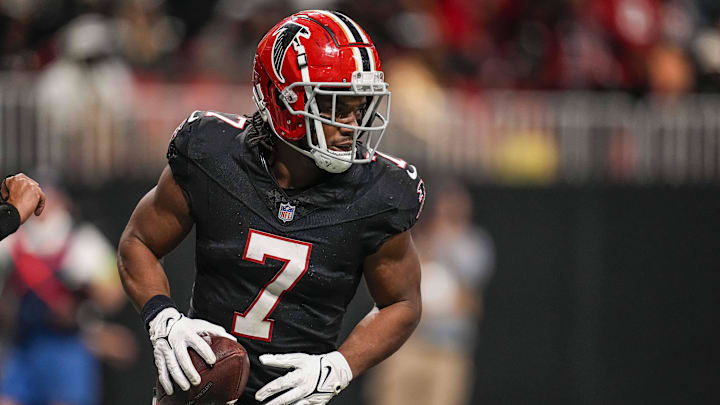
(278, 269)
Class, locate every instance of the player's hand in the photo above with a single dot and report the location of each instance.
(171, 333)
(314, 380)
(24, 194)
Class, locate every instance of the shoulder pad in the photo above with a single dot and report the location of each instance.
(404, 189)
(204, 132)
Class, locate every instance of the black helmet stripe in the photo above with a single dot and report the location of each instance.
(365, 59)
(364, 52)
(351, 26)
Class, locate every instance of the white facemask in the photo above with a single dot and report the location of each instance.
(368, 84)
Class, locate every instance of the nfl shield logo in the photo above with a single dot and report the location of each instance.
(287, 212)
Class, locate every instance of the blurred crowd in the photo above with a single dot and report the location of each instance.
(59, 287)
(103, 77)
(639, 46)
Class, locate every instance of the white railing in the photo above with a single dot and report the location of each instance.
(495, 137)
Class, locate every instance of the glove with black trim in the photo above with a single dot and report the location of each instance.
(314, 380)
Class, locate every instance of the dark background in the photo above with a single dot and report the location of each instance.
(601, 295)
(586, 130)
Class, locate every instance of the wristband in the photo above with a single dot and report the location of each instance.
(153, 306)
(9, 219)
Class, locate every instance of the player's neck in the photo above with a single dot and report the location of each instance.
(293, 170)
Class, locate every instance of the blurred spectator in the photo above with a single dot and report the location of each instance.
(525, 157)
(86, 94)
(435, 365)
(413, 84)
(146, 34)
(669, 71)
(706, 48)
(554, 44)
(58, 278)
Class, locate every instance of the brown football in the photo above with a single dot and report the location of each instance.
(222, 383)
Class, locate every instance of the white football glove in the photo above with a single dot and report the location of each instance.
(171, 333)
(315, 380)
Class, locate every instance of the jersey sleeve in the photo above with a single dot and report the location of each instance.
(196, 143)
(204, 134)
(186, 144)
(179, 160)
(404, 190)
(411, 198)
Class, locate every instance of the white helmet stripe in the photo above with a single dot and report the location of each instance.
(349, 26)
(358, 58)
(357, 27)
(338, 21)
(348, 36)
(359, 36)
(361, 58)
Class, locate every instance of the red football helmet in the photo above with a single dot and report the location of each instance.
(320, 53)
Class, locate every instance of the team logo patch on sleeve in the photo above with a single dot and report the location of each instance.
(421, 197)
(286, 212)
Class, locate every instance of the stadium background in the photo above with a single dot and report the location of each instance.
(587, 131)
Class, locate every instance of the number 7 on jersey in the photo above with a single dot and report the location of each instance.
(260, 246)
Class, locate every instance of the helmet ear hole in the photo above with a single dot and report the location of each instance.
(276, 95)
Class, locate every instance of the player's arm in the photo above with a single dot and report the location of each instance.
(393, 278)
(159, 223)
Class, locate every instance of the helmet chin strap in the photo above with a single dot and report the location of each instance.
(331, 164)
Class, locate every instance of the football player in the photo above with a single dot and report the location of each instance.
(292, 206)
(20, 197)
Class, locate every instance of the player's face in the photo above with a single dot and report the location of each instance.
(348, 110)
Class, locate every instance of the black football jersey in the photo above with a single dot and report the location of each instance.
(278, 269)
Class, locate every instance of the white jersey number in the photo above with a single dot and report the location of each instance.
(254, 322)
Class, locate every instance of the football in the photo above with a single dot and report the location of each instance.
(221, 384)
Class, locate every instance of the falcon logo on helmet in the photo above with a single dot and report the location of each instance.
(284, 36)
